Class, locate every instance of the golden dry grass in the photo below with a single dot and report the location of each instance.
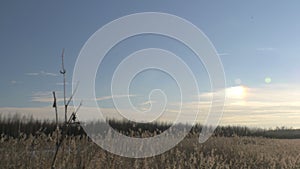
(217, 152)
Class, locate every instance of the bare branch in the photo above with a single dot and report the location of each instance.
(70, 99)
(78, 107)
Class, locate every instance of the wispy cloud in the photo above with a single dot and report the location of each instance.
(14, 82)
(147, 103)
(223, 54)
(60, 84)
(266, 49)
(115, 96)
(45, 97)
(32, 74)
(41, 73)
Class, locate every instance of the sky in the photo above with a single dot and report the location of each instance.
(257, 41)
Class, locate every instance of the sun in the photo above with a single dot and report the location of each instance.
(236, 92)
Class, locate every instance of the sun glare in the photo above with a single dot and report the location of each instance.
(236, 92)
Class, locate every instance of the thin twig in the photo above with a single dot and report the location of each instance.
(70, 99)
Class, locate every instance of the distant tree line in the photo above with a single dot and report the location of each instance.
(15, 126)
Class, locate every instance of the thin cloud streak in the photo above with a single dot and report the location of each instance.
(14, 82)
(41, 73)
(46, 97)
(266, 49)
(223, 54)
(115, 97)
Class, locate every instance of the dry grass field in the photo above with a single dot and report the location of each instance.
(217, 152)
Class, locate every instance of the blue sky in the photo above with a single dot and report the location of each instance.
(255, 40)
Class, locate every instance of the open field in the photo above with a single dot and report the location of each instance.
(32, 144)
(217, 152)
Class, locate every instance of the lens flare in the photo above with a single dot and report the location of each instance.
(268, 80)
